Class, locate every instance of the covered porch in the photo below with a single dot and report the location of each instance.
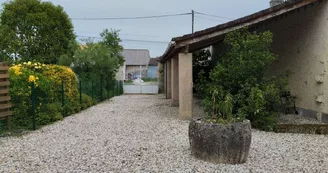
(177, 59)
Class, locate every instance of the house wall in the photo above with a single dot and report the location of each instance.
(301, 42)
(136, 69)
(152, 71)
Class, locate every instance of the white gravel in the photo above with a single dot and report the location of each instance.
(297, 119)
(143, 134)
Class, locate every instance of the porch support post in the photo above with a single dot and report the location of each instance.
(185, 86)
(165, 79)
(175, 81)
(168, 79)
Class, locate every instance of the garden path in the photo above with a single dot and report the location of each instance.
(133, 133)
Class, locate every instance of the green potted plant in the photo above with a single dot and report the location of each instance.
(235, 94)
(222, 136)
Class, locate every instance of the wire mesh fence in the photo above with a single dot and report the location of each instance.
(40, 107)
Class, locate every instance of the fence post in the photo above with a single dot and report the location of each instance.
(80, 83)
(108, 89)
(92, 89)
(33, 97)
(101, 88)
(122, 87)
(63, 94)
(63, 97)
(117, 89)
(113, 90)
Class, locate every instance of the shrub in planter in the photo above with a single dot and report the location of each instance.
(240, 73)
(221, 137)
(235, 92)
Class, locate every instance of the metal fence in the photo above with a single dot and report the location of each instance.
(32, 111)
(141, 86)
(141, 89)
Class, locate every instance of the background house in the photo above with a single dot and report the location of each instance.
(152, 68)
(136, 62)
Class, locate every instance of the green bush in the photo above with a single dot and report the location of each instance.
(49, 113)
(201, 64)
(128, 82)
(237, 88)
(47, 80)
(86, 101)
(147, 79)
(71, 106)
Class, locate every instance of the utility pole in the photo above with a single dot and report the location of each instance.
(193, 19)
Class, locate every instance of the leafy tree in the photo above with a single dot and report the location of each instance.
(237, 87)
(97, 58)
(97, 62)
(35, 30)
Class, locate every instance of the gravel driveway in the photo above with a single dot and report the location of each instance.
(143, 134)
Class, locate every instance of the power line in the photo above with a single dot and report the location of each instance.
(193, 20)
(129, 40)
(128, 18)
(211, 15)
(146, 41)
(201, 17)
(83, 36)
(139, 35)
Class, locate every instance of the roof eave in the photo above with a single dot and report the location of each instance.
(286, 5)
(168, 50)
(178, 43)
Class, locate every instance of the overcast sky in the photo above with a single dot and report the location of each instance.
(158, 29)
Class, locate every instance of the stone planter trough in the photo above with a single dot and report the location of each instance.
(216, 143)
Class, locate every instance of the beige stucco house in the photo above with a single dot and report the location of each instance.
(300, 39)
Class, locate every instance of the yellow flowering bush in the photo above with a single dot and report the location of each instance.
(61, 73)
(47, 80)
(17, 70)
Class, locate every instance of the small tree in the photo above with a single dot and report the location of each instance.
(237, 88)
(35, 30)
(97, 63)
(97, 58)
